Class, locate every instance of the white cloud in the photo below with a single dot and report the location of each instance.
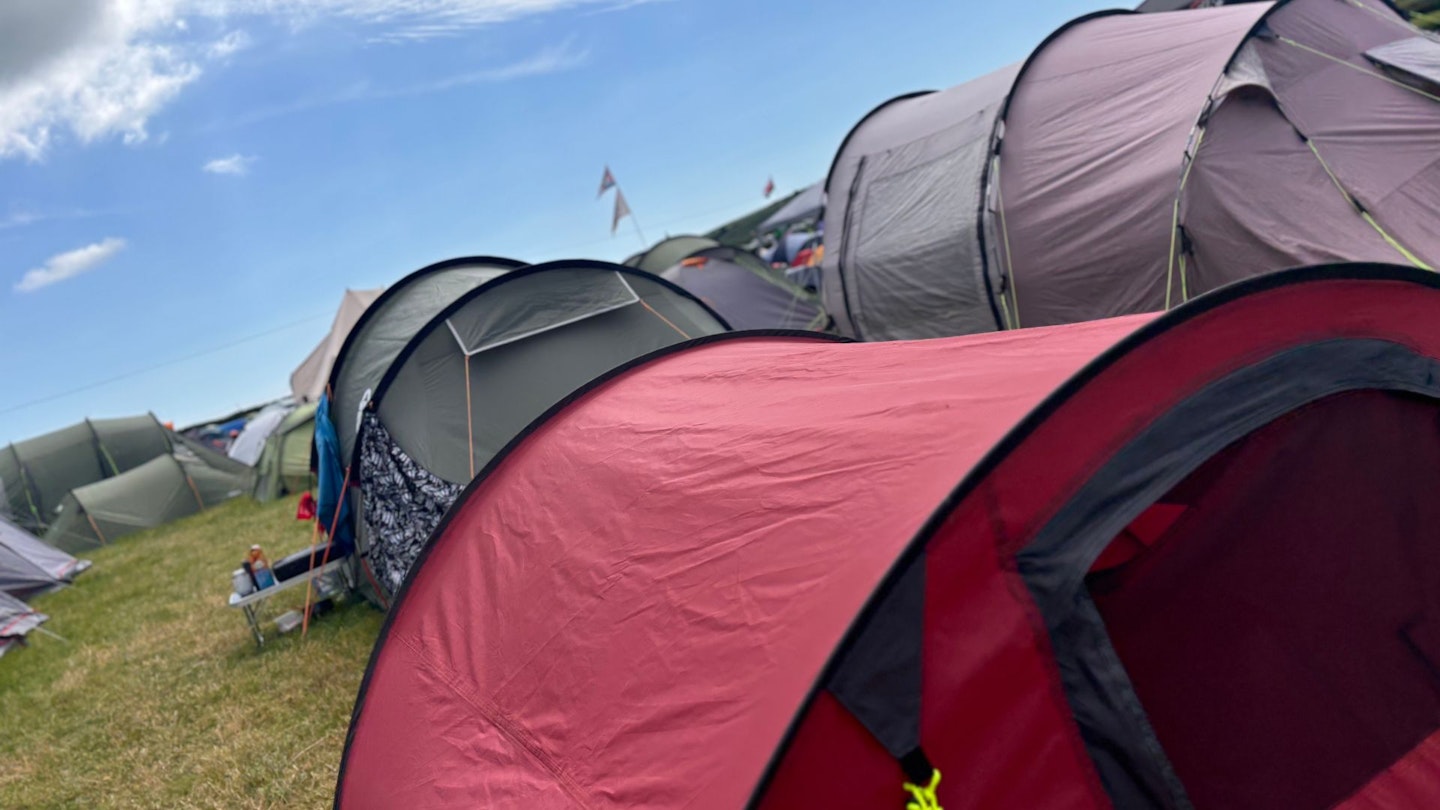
(237, 164)
(69, 264)
(98, 69)
(229, 44)
(554, 59)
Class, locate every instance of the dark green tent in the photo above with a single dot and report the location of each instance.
(36, 474)
(182, 482)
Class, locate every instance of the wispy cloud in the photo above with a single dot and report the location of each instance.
(69, 264)
(236, 165)
(20, 216)
(228, 45)
(553, 59)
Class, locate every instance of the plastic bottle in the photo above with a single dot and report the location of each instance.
(260, 567)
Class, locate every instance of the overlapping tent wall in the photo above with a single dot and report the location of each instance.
(482, 369)
(29, 567)
(284, 465)
(1155, 563)
(747, 293)
(36, 474)
(387, 325)
(188, 479)
(1134, 162)
(308, 380)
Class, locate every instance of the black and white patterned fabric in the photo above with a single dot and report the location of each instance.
(403, 502)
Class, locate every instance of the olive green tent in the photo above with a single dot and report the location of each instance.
(182, 482)
(284, 465)
(668, 251)
(36, 474)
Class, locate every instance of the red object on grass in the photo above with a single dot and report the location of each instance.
(305, 510)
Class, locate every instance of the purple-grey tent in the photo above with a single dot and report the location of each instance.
(17, 619)
(28, 566)
(745, 291)
(1135, 161)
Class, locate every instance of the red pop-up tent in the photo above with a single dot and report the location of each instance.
(1174, 562)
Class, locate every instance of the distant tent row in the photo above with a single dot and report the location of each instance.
(425, 394)
(1135, 161)
(86, 485)
(806, 206)
(29, 567)
(1150, 562)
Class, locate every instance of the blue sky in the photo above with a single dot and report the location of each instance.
(201, 179)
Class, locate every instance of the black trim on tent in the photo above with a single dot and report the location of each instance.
(393, 289)
(1054, 563)
(1368, 271)
(398, 600)
(524, 272)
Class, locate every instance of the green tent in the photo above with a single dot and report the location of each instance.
(36, 474)
(186, 480)
(669, 251)
(284, 465)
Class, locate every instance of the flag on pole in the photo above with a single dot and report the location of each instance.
(769, 187)
(607, 182)
(622, 210)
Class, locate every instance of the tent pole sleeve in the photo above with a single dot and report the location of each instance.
(94, 527)
(469, 419)
(656, 313)
(1360, 209)
(1013, 294)
(1382, 77)
(101, 450)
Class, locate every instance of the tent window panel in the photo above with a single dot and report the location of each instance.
(1274, 611)
(915, 262)
(1414, 61)
(530, 306)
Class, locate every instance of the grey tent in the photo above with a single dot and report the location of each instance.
(661, 255)
(388, 324)
(307, 382)
(481, 370)
(748, 293)
(1133, 162)
(248, 446)
(807, 206)
(36, 474)
(284, 465)
(29, 567)
(186, 480)
(17, 619)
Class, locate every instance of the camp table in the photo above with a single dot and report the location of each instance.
(250, 604)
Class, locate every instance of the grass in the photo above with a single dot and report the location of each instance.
(159, 697)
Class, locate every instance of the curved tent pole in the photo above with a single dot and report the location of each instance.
(100, 450)
(194, 490)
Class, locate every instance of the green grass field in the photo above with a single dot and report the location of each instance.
(159, 696)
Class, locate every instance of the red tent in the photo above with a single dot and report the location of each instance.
(1184, 561)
